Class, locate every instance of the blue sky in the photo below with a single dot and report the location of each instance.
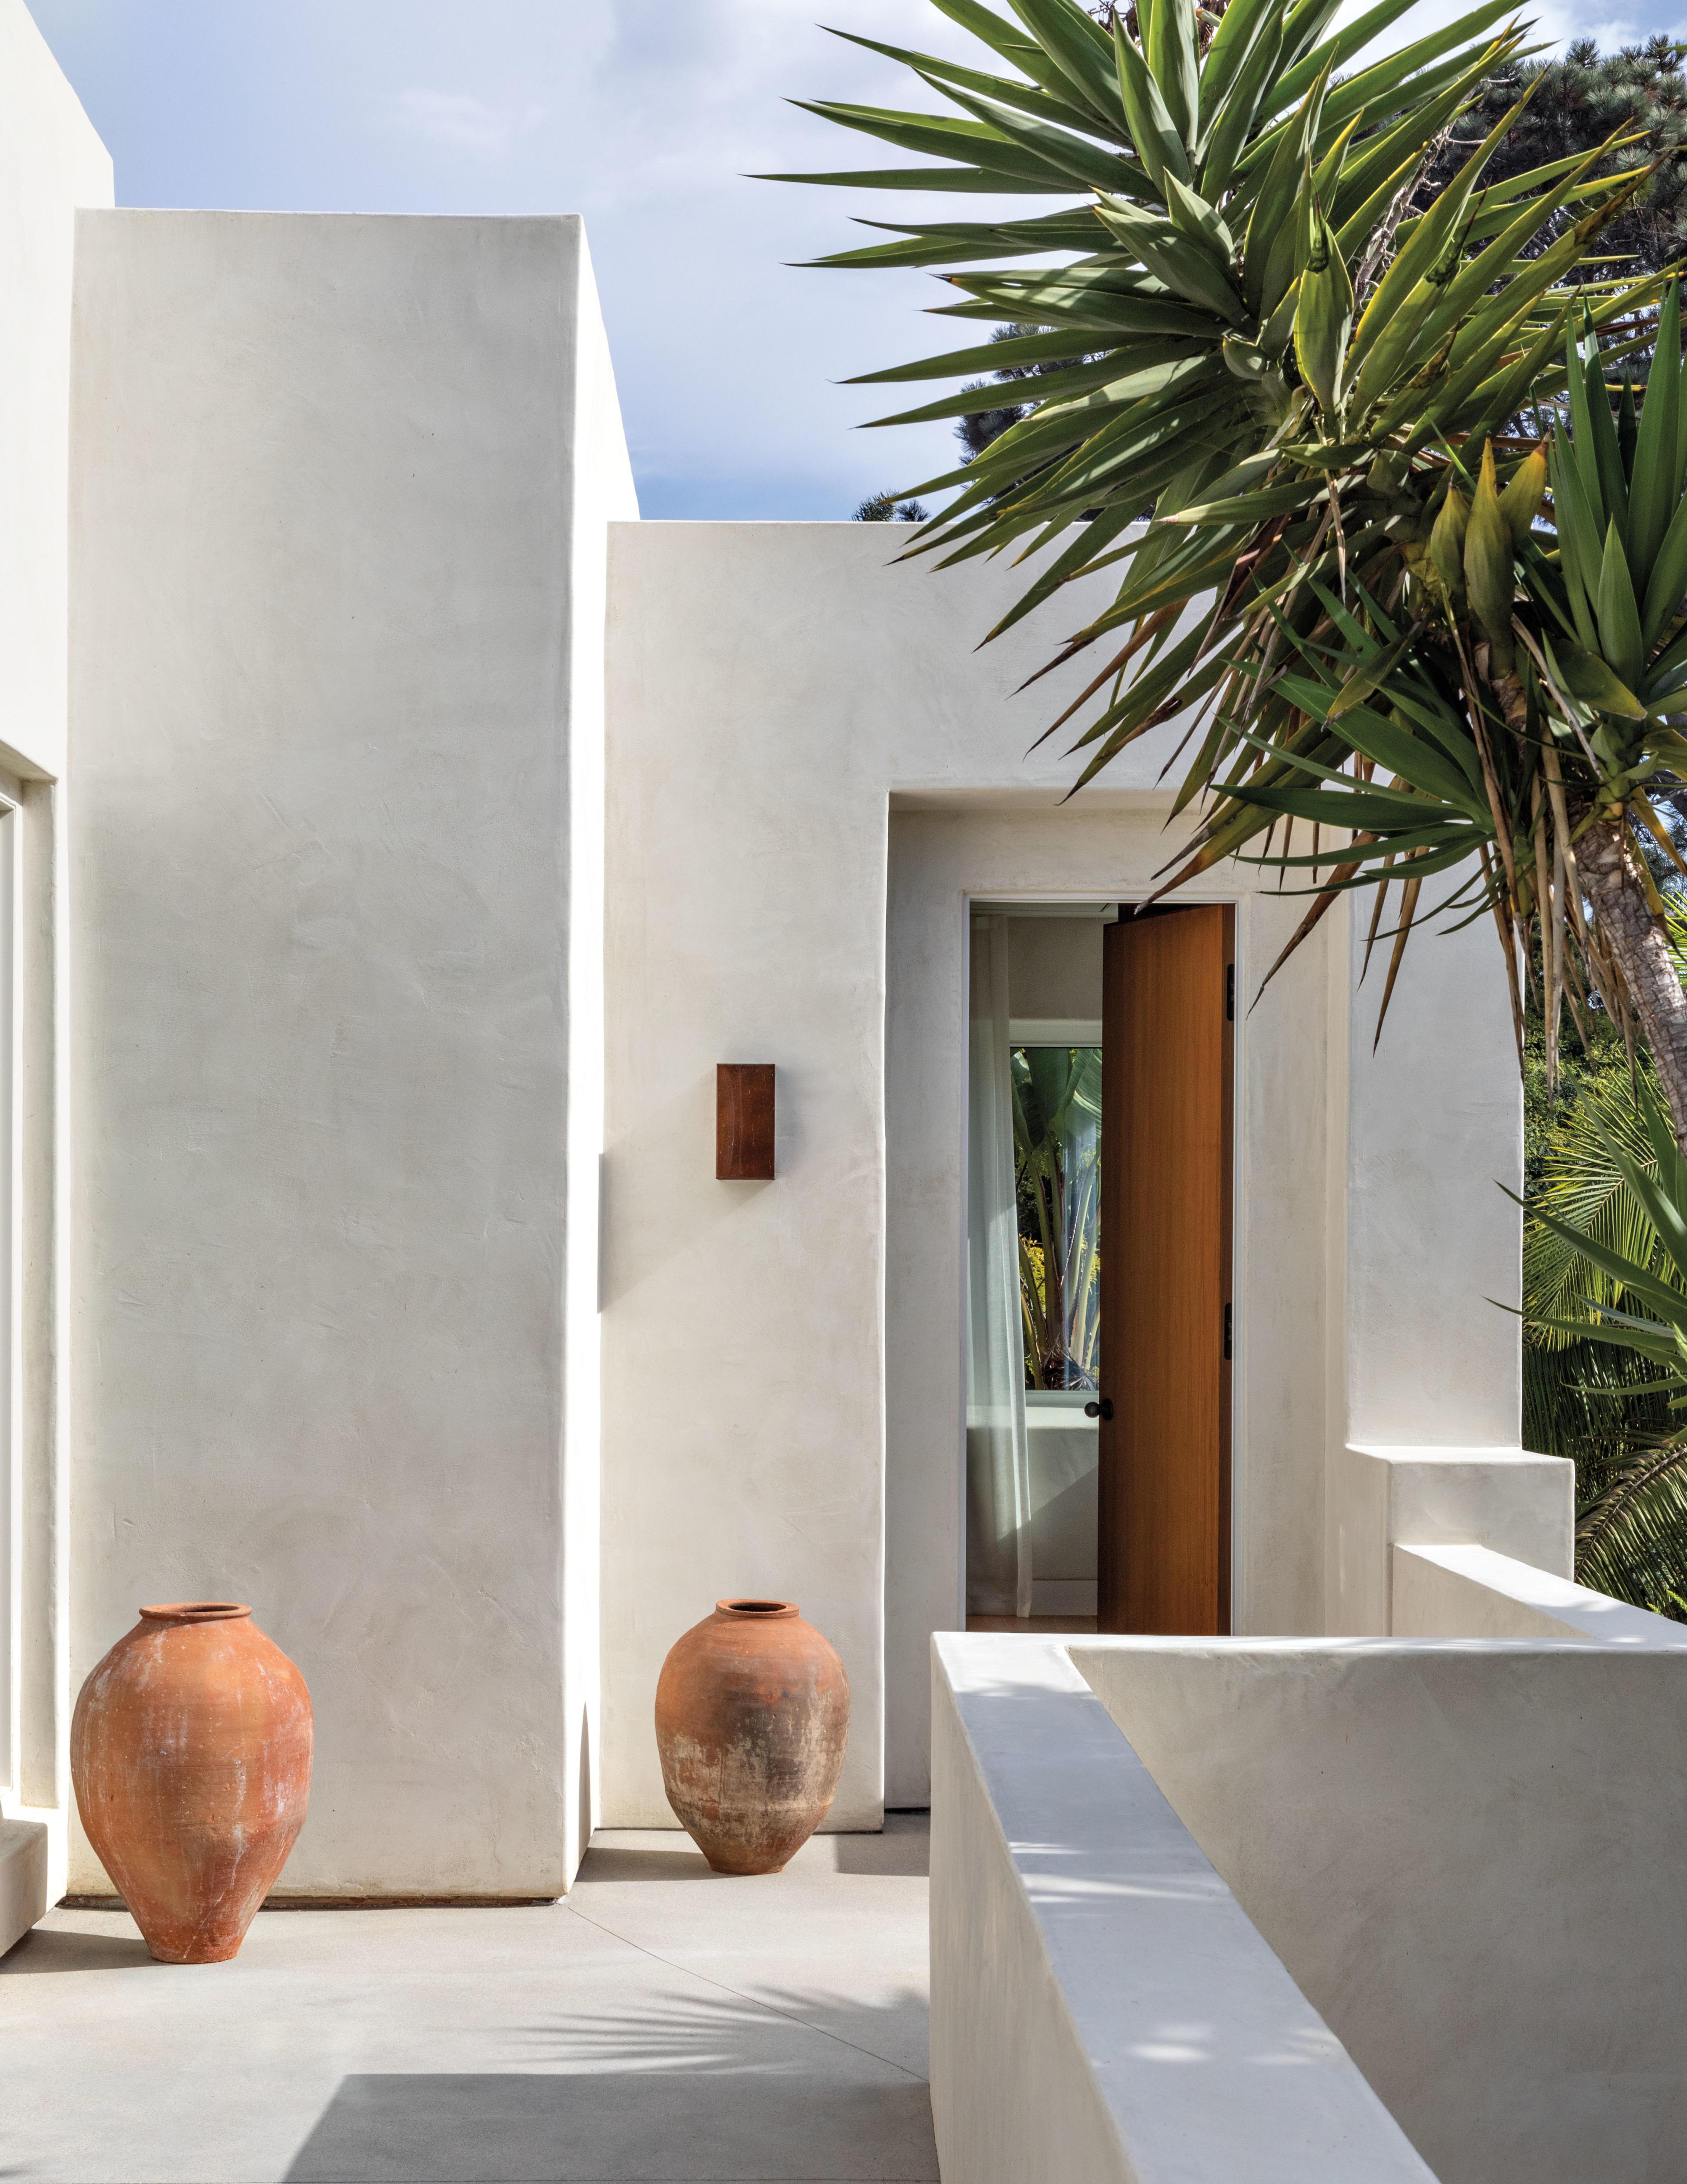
(642, 115)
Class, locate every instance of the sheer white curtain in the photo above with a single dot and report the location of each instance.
(998, 1466)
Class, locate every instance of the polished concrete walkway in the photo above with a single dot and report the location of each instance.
(665, 2026)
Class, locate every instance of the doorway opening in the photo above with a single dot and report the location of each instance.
(1099, 1322)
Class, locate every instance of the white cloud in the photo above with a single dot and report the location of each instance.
(643, 115)
(463, 124)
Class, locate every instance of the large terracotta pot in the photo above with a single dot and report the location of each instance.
(189, 1749)
(752, 1717)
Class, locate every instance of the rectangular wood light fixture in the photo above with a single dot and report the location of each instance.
(743, 1122)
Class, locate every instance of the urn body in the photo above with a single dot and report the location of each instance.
(190, 1750)
(751, 1717)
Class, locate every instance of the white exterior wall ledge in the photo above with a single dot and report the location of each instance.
(1102, 2008)
(1473, 1592)
(1508, 1499)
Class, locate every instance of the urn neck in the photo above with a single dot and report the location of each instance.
(758, 1611)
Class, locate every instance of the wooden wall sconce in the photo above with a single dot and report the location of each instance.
(743, 1122)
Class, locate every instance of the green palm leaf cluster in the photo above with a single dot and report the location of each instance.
(1275, 345)
(1604, 1271)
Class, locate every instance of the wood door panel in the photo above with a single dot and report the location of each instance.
(1166, 1219)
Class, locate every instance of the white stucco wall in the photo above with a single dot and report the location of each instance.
(784, 707)
(1467, 1857)
(51, 162)
(1102, 2008)
(340, 489)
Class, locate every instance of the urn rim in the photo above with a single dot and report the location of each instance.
(197, 1611)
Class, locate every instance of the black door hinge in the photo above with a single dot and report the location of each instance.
(1227, 1334)
(1230, 993)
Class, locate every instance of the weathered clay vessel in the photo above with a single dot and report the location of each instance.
(752, 1717)
(189, 1749)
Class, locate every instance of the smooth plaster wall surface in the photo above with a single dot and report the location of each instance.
(51, 162)
(781, 699)
(1467, 1855)
(1434, 1139)
(328, 473)
(1102, 2008)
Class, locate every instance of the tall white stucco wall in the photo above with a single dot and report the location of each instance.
(327, 541)
(51, 162)
(779, 696)
(1435, 1129)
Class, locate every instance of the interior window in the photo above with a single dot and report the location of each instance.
(1057, 1164)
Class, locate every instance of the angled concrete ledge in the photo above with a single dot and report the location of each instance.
(1209, 1910)
(1102, 2007)
(1473, 1592)
(1466, 1854)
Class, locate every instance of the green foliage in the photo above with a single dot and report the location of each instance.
(979, 427)
(1575, 105)
(1207, 174)
(1595, 1269)
(885, 508)
(1056, 1139)
(1515, 694)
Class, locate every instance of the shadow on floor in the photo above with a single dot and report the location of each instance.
(643, 2126)
(48, 1949)
(617, 1862)
(904, 1851)
(725, 2034)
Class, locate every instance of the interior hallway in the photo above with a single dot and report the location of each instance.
(664, 2025)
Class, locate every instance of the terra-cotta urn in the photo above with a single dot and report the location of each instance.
(190, 1750)
(752, 1717)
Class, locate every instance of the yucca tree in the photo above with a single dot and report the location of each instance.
(1273, 338)
(1510, 708)
(1312, 386)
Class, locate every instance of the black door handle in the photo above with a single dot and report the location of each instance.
(1104, 1409)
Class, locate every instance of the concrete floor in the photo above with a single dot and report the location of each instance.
(664, 2025)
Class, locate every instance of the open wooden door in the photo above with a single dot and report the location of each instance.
(1168, 1035)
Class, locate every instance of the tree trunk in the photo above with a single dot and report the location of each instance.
(1638, 942)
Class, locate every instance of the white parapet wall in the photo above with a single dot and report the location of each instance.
(1471, 1592)
(1103, 2010)
(1467, 1854)
(342, 488)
